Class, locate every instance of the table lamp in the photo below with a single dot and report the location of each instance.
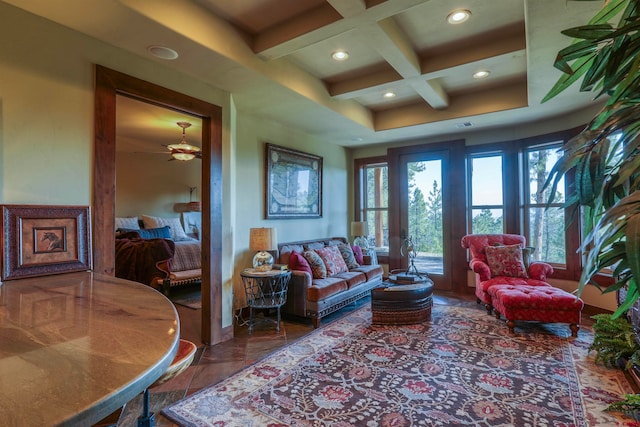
(360, 231)
(262, 240)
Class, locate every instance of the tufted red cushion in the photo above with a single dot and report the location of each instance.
(298, 262)
(506, 261)
(539, 303)
(476, 243)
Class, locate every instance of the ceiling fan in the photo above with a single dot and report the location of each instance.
(184, 151)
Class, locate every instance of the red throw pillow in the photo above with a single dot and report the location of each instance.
(506, 261)
(357, 252)
(298, 262)
(332, 259)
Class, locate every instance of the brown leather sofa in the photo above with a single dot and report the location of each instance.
(315, 298)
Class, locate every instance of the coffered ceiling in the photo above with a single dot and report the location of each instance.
(274, 56)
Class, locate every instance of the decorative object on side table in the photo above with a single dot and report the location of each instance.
(265, 290)
(360, 231)
(407, 249)
(263, 240)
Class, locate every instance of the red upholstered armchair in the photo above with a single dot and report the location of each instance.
(535, 275)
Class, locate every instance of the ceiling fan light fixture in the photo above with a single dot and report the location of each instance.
(340, 55)
(183, 156)
(183, 150)
(458, 16)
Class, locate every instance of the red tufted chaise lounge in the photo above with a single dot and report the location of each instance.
(477, 243)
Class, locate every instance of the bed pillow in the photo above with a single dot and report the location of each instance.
(127, 222)
(176, 230)
(149, 233)
(506, 261)
(318, 269)
(348, 256)
(332, 260)
(298, 262)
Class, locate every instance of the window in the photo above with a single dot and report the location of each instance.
(544, 223)
(506, 194)
(373, 199)
(486, 195)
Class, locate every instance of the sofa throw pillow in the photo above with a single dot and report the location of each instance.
(149, 233)
(348, 256)
(298, 262)
(177, 232)
(332, 260)
(506, 261)
(357, 253)
(318, 270)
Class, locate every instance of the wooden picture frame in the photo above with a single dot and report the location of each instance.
(293, 184)
(41, 240)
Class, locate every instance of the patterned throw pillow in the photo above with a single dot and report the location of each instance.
(177, 232)
(318, 270)
(357, 253)
(348, 256)
(506, 261)
(332, 260)
(298, 262)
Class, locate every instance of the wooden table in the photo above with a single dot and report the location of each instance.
(400, 304)
(75, 347)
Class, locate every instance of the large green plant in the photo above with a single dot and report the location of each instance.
(605, 156)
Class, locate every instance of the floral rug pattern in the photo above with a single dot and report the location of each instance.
(460, 369)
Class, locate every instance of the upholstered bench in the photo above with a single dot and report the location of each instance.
(536, 303)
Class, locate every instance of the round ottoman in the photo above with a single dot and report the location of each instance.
(402, 304)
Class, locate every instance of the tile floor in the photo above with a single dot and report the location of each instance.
(214, 363)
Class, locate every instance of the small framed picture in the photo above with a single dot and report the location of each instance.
(43, 240)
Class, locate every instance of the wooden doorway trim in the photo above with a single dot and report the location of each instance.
(110, 83)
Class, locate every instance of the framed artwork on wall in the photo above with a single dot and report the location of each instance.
(294, 184)
(41, 240)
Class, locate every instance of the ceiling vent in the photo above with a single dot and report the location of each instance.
(464, 125)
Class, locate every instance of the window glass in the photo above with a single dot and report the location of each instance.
(486, 211)
(375, 209)
(486, 180)
(546, 231)
(546, 222)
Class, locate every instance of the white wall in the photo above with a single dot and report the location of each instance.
(252, 134)
(46, 114)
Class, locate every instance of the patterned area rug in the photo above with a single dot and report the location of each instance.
(461, 369)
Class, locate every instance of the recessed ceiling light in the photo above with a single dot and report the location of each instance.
(162, 52)
(389, 94)
(340, 55)
(458, 16)
(481, 74)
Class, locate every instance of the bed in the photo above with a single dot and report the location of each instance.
(157, 251)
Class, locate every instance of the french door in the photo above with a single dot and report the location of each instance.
(427, 218)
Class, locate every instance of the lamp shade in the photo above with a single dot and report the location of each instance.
(263, 239)
(359, 228)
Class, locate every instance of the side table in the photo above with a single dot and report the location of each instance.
(264, 290)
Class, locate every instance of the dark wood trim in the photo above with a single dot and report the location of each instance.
(358, 180)
(110, 83)
(454, 151)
